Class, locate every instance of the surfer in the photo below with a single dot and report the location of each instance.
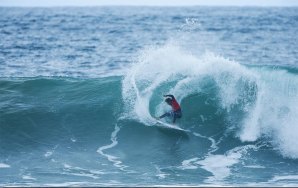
(176, 109)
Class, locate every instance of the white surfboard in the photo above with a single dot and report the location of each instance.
(162, 124)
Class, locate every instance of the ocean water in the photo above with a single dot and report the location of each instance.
(79, 88)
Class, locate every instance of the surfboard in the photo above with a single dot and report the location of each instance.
(165, 125)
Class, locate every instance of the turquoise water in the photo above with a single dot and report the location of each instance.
(79, 88)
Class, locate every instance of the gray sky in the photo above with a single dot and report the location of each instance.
(148, 2)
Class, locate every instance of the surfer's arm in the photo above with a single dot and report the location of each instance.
(172, 96)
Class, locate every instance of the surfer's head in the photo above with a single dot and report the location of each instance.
(168, 101)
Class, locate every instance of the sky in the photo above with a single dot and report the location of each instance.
(46, 3)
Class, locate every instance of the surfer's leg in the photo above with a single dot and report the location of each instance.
(174, 118)
(176, 114)
(165, 115)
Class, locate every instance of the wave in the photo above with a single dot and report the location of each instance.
(48, 112)
(227, 103)
(251, 103)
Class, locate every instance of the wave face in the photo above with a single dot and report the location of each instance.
(251, 102)
(79, 88)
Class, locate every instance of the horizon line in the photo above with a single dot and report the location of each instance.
(132, 5)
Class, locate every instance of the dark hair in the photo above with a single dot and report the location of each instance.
(168, 100)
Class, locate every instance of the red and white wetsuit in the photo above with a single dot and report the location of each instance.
(175, 105)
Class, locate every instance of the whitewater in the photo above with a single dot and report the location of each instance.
(80, 87)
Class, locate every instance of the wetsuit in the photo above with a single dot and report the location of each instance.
(176, 109)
